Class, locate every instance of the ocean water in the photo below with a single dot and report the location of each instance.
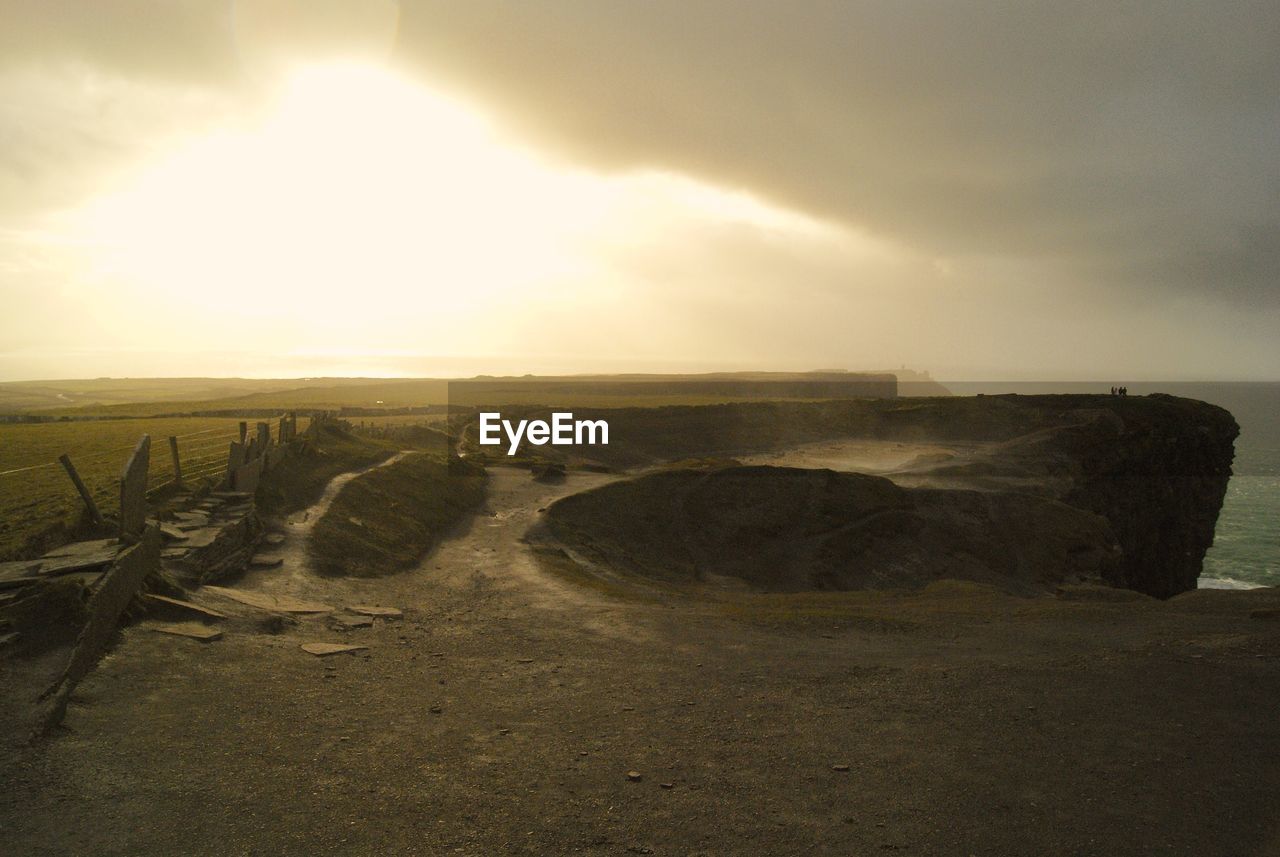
(1246, 547)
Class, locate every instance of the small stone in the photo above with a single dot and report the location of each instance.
(378, 612)
(435, 709)
(324, 649)
(667, 785)
(275, 624)
(192, 630)
(524, 660)
(634, 776)
(841, 768)
(172, 533)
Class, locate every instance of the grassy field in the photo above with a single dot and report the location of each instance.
(151, 396)
(181, 396)
(142, 397)
(396, 420)
(36, 495)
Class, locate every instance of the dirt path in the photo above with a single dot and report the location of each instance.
(502, 714)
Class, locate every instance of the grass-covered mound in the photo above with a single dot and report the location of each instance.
(783, 529)
(298, 481)
(387, 519)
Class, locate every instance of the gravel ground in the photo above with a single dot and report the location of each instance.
(505, 711)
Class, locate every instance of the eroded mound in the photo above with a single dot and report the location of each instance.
(787, 529)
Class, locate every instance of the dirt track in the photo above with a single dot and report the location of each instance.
(502, 714)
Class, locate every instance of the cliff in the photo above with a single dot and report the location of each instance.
(1153, 468)
(1157, 469)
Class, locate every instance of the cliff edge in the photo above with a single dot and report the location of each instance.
(1152, 471)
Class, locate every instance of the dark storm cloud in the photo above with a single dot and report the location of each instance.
(1134, 140)
(1129, 143)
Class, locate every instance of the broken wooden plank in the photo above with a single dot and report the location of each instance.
(263, 601)
(67, 564)
(111, 598)
(93, 546)
(13, 574)
(178, 603)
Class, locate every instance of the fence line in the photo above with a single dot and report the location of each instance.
(32, 467)
(43, 489)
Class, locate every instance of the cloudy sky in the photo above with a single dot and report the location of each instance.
(1084, 190)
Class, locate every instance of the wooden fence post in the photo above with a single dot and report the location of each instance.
(133, 491)
(94, 514)
(177, 463)
(244, 431)
(235, 458)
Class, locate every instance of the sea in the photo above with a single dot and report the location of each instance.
(1246, 545)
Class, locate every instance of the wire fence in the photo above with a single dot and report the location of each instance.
(36, 490)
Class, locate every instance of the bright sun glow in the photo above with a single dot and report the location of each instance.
(366, 204)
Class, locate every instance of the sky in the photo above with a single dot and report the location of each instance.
(995, 190)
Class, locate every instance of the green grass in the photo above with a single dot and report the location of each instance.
(300, 479)
(152, 396)
(166, 396)
(39, 506)
(387, 519)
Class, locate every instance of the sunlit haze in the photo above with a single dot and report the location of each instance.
(360, 198)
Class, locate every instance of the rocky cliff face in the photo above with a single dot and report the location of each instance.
(1156, 468)
(1158, 474)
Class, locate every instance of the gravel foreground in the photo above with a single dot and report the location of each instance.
(511, 711)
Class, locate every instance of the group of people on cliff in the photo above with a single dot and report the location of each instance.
(1119, 391)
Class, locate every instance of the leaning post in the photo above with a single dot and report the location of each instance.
(91, 506)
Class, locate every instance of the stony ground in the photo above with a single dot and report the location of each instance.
(504, 712)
